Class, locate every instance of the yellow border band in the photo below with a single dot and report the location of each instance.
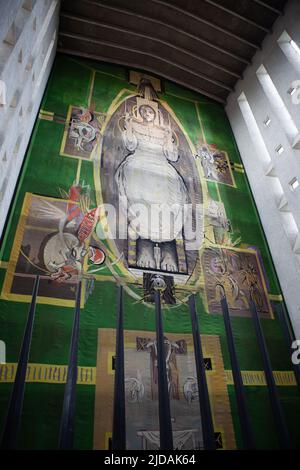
(57, 374)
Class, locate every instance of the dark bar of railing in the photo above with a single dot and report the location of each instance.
(289, 337)
(13, 418)
(205, 409)
(244, 418)
(165, 425)
(68, 412)
(283, 433)
(119, 426)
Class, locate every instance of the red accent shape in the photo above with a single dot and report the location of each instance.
(87, 225)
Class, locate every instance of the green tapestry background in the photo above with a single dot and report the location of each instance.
(82, 84)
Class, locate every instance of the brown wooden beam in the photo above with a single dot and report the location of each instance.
(269, 7)
(177, 30)
(145, 53)
(200, 58)
(207, 23)
(237, 15)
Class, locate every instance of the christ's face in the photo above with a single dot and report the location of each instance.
(147, 113)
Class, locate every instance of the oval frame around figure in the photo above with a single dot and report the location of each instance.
(182, 179)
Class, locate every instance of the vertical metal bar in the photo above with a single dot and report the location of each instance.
(284, 438)
(68, 412)
(12, 424)
(246, 429)
(290, 338)
(165, 425)
(119, 423)
(205, 409)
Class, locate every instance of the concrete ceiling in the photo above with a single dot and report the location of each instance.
(204, 45)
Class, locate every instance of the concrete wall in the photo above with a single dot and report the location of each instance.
(263, 92)
(28, 32)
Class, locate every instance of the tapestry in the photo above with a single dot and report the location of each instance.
(133, 180)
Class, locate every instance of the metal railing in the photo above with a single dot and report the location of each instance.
(13, 418)
(66, 437)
